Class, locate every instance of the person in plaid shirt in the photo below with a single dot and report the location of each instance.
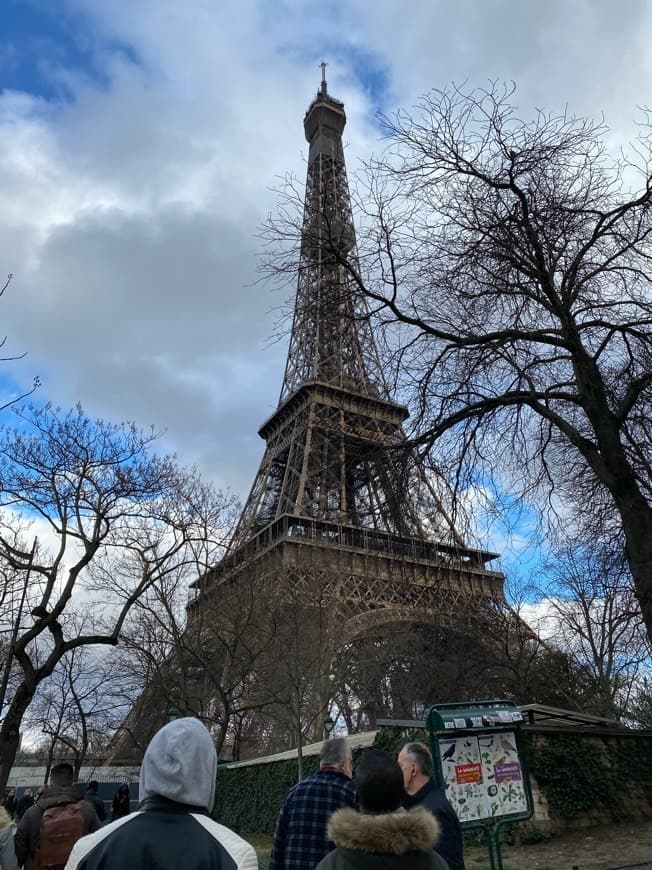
(300, 840)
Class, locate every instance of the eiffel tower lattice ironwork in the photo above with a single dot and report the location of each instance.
(337, 496)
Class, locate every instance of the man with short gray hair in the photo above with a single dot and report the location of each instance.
(300, 840)
(416, 764)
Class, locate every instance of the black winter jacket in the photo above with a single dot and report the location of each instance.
(163, 834)
(98, 805)
(449, 845)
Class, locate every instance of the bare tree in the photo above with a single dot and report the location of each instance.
(36, 383)
(301, 669)
(591, 613)
(120, 519)
(510, 264)
(207, 666)
(75, 708)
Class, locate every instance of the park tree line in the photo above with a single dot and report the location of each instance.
(507, 264)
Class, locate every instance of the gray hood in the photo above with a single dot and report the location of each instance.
(181, 764)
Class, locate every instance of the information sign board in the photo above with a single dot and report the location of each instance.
(476, 751)
(483, 775)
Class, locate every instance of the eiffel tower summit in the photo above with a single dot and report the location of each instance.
(340, 506)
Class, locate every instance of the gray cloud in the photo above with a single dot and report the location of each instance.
(130, 211)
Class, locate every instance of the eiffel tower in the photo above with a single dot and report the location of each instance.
(339, 499)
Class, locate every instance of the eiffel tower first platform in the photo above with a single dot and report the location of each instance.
(339, 500)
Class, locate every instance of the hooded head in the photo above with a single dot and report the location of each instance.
(181, 764)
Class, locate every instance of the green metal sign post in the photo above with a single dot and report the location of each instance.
(479, 762)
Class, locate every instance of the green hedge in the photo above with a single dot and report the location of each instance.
(576, 774)
(584, 775)
(249, 798)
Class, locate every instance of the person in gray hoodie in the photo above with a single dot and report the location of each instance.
(171, 827)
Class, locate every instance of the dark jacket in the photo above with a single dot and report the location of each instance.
(25, 802)
(300, 840)
(449, 845)
(29, 827)
(171, 829)
(10, 804)
(392, 841)
(98, 804)
(163, 834)
(120, 805)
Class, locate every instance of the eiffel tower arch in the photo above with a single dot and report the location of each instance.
(340, 503)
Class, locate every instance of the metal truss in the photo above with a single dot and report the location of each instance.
(340, 502)
(335, 446)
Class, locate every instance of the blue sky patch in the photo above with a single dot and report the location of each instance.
(39, 39)
(373, 74)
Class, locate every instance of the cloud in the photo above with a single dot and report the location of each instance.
(136, 174)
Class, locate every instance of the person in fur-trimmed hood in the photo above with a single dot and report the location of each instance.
(382, 836)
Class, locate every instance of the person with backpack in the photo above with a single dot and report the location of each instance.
(48, 830)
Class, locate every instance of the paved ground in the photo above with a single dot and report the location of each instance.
(600, 848)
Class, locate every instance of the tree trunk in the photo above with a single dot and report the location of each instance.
(299, 755)
(10, 731)
(49, 758)
(636, 517)
(616, 473)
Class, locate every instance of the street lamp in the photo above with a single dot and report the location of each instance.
(173, 714)
(329, 724)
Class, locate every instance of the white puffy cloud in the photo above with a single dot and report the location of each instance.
(131, 204)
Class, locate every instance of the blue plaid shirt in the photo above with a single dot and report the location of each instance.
(300, 840)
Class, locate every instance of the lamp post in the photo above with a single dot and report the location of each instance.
(173, 714)
(329, 724)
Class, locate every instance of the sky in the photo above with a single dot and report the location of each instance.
(139, 144)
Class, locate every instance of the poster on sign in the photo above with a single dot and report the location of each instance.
(483, 775)
(462, 767)
(503, 774)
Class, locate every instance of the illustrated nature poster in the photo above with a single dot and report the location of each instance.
(483, 775)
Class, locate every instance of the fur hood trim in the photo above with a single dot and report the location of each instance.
(5, 819)
(395, 833)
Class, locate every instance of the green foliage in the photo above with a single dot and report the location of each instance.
(579, 775)
(262, 843)
(249, 798)
(573, 776)
(646, 839)
(524, 834)
(393, 739)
